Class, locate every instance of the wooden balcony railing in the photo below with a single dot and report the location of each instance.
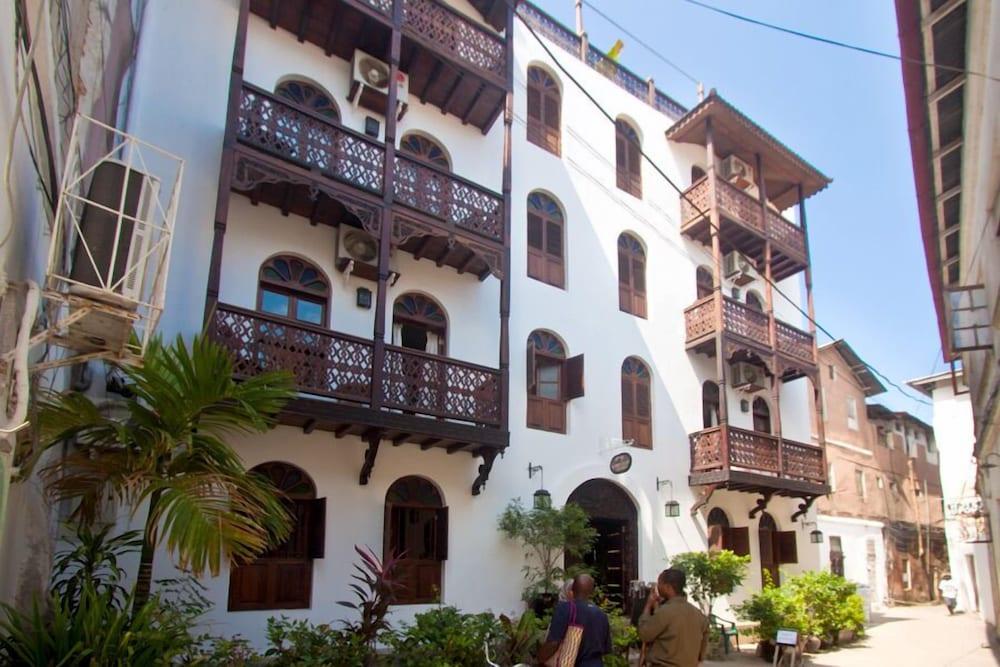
(752, 325)
(337, 365)
(737, 205)
(296, 134)
(727, 448)
(455, 36)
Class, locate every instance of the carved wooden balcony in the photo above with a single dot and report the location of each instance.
(748, 329)
(452, 61)
(744, 226)
(287, 155)
(743, 460)
(413, 397)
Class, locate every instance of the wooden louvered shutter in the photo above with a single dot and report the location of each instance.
(316, 527)
(629, 425)
(530, 366)
(737, 540)
(573, 374)
(717, 537)
(536, 246)
(634, 168)
(441, 537)
(638, 285)
(554, 273)
(624, 281)
(621, 157)
(643, 413)
(785, 548)
(550, 117)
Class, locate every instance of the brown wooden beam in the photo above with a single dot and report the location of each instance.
(451, 92)
(303, 21)
(418, 254)
(342, 430)
(273, 18)
(309, 426)
(286, 200)
(457, 447)
(443, 256)
(369, 463)
(464, 266)
(472, 105)
(428, 443)
(435, 73)
(331, 31)
(315, 209)
(401, 438)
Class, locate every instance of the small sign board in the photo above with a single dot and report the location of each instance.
(786, 637)
(621, 463)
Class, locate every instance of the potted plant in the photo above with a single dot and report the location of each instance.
(832, 605)
(772, 609)
(711, 575)
(547, 535)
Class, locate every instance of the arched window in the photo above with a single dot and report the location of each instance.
(310, 96)
(282, 577)
(416, 532)
(709, 404)
(703, 276)
(718, 526)
(767, 531)
(552, 381)
(426, 149)
(637, 411)
(696, 174)
(293, 288)
(631, 275)
(419, 323)
(545, 240)
(628, 158)
(544, 101)
(761, 416)
(754, 301)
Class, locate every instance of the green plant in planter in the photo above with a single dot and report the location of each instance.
(547, 535)
(710, 575)
(831, 604)
(444, 637)
(518, 642)
(773, 608)
(623, 635)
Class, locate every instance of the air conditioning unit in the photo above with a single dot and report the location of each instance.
(738, 172)
(109, 257)
(357, 254)
(739, 268)
(370, 84)
(747, 377)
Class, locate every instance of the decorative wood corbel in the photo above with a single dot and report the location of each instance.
(804, 506)
(373, 439)
(762, 502)
(489, 456)
(706, 495)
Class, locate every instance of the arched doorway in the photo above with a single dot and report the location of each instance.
(614, 558)
(766, 531)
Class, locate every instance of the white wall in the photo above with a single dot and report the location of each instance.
(855, 534)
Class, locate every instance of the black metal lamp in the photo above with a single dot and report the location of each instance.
(815, 535)
(672, 508)
(542, 499)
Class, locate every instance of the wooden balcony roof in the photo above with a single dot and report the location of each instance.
(735, 133)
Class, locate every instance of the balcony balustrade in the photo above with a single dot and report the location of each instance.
(747, 324)
(297, 135)
(746, 459)
(339, 366)
(745, 226)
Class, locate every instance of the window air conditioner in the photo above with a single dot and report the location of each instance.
(739, 268)
(357, 254)
(370, 84)
(747, 377)
(109, 214)
(738, 172)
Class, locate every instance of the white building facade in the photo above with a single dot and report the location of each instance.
(479, 277)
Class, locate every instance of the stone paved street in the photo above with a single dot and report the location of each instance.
(908, 637)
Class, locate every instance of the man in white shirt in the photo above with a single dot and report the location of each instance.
(949, 592)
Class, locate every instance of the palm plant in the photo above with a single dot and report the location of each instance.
(170, 453)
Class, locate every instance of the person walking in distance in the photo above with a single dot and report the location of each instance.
(949, 592)
(578, 610)
(675, 630)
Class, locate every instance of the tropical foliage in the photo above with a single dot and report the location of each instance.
(444, 637)
(711, 575)
(374, 590)
(547, 535)
(170, 454)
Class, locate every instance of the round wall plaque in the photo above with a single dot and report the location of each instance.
(621, 463)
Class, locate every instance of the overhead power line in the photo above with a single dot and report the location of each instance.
(643, 44)
(698, 209)
(834, 42)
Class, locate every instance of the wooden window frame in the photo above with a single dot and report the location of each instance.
(549, 414)
(631, 263)
(704, 282)
(440, 536)
(628, 158)
(422, 152)
(544, 99)
(309, 534)
(400, 316)
(312, 93)
(755, 414)
(635, 426)
(709, 408)
(544, 265)
(294, 290)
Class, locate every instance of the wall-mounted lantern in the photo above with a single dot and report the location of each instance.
(672, 508)
(542, 499)
(815, 535)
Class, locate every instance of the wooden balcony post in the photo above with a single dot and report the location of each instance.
(772, 335)
(715, 223)
(584, 46)
(650, 91)
(508, 122)
(226, 165)
(388, 191)
(818, 380)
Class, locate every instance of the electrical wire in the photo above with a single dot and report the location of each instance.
(656, 54)
(702, 212)
(834, 42)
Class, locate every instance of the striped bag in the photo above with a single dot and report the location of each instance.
(569, 648)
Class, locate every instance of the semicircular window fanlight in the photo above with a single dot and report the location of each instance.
(308, 95)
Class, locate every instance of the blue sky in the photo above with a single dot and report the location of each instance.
(841, 110)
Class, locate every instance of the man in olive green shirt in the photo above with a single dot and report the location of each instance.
(675, 630)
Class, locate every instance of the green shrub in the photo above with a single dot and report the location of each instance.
(299, 643)
(444, 637)
(831, 604)
(772, 608)
(518, 642)
(711, 574)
